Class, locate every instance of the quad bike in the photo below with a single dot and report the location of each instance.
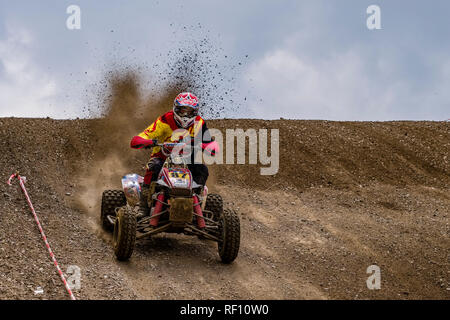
(177, 205)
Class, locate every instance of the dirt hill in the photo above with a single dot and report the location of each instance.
(347, 195)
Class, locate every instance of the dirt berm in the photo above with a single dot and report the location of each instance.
(347, 195)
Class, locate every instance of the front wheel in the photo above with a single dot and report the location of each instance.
(231, 236)
(124, 236)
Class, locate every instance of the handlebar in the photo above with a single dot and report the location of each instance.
(173, 145)
(170, 144)
(179, 147)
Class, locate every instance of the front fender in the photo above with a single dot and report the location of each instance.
(131, 184)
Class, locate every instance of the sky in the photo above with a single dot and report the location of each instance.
(299, 59)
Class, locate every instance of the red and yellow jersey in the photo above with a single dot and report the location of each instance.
(165, 129)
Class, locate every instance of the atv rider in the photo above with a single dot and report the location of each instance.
(183, 118)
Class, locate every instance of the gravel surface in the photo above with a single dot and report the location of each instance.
(348, 195)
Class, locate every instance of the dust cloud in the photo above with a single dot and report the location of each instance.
(127, 111)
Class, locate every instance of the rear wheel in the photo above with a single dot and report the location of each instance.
(124, 236)
(214, 203)
(111, 199)
(231, 236)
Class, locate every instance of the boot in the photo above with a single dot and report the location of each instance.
(143, 209)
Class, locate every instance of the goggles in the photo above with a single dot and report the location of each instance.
(184, 111)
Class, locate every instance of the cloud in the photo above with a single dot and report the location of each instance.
(25, 89)
(291, 86)
(346, 85)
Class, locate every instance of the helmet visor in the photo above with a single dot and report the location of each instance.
(186, 111)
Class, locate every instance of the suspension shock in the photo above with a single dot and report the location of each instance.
(157, 209)
(198, 211)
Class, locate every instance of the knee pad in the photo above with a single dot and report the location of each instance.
(155, 165)
(200, 173)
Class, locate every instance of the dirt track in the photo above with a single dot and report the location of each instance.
(348, 195)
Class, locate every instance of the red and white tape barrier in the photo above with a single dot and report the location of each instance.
(22, 185)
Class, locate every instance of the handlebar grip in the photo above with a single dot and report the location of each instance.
(153, 144)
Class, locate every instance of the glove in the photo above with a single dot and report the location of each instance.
(211, 148)
(150, 144)
(139, 143)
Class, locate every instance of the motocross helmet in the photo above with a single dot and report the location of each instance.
(185, 109)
